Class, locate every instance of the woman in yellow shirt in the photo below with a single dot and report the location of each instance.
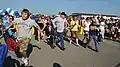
(74, 29)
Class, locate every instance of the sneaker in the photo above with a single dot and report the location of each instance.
(77, 44)
(26, 61)
(62, 49)
(96, 50)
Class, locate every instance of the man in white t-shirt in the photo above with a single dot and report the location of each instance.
(59, 25)
(24, 33)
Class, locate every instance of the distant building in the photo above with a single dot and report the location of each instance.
(95, 15)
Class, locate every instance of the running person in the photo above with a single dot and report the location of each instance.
(24, 33)
(58, 24)
(86, 30)
(74, 29)
(42, 25)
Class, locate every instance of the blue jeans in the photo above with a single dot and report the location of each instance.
(60, 35)
(94, 38)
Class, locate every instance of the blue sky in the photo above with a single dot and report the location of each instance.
(69, 6)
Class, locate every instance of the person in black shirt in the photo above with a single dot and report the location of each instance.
(93, 35)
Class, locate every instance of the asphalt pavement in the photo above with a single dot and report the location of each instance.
(108, 55)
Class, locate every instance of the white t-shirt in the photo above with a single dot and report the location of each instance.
(102, 26)
(24, 27)
(58, 23)
(87, 24)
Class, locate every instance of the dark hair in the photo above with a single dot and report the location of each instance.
(25, 11)
(98, 17)
(74, 17)
(12, 18)
(87, 18)
(63, 13)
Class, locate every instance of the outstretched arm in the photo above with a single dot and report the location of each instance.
(9, 27)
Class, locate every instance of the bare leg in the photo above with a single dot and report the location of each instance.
(39, 36)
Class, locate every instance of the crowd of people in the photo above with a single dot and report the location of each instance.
(17, 32)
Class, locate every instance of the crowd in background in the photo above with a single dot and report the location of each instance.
(109, 28)
(103, 28)
(17, 31)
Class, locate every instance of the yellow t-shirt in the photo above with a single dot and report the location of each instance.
(75, 25)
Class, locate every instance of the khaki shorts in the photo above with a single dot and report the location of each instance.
(23, 44)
